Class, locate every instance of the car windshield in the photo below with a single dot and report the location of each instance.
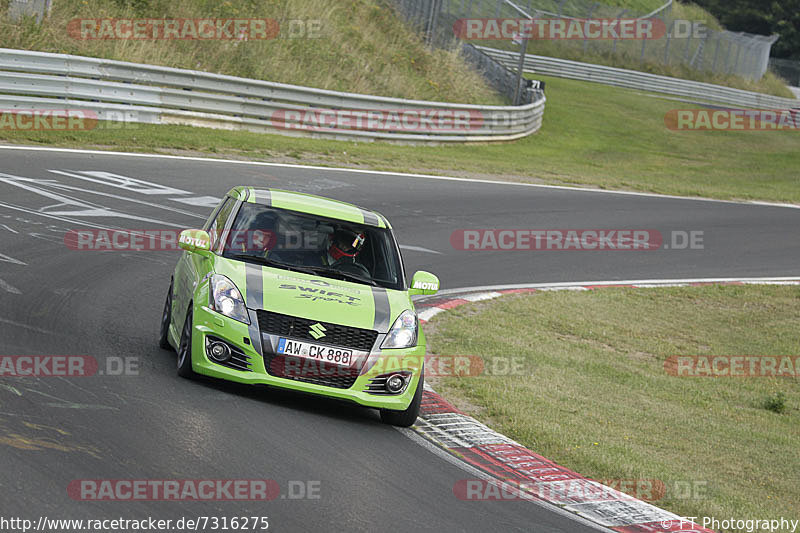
(315, 245)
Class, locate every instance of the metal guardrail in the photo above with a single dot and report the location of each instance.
(562, 68)
(162, 95)
(683, 42)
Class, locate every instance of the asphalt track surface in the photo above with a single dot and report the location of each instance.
(154, 425)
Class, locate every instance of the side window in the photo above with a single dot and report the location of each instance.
(213, 216)
(218, 225)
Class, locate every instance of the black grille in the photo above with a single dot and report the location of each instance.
(299, 328)
(307, 371)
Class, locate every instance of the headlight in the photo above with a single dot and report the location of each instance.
(404, 331)
(226, 299)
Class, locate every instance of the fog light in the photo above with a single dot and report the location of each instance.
(395, 383)
(219, 352)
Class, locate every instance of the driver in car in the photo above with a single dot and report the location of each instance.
(344, 246)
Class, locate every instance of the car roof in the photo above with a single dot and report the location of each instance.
(309, 203)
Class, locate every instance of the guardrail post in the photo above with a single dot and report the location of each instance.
(699, 55)
(716, 52)
(433, 20)
(561, 8)
(751, 54)
(669, 38)
(520, 67)
(738, 56)
(588, 16)
(727, 69)
(688, 44)
(644, 45)
(614, 49)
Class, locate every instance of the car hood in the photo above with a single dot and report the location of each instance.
(315, 297)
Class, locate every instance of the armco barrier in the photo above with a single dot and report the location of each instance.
(707, 92)
(163, 95)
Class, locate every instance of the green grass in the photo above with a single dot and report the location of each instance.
(594, 395)
(592, 135)
(362, 46)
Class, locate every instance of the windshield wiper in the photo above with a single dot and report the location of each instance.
(272, 263)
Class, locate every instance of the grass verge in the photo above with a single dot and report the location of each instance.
(595, 396)
(592, 135)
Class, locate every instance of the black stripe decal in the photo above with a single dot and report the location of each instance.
(263, 197)
(370, 218)
(383, 311)
(255, 332)
(255, 286)
(246, 193)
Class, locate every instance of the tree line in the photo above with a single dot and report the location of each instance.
(764, 17)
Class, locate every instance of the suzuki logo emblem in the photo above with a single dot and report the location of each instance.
(317, 331)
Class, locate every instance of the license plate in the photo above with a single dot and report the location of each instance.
(318, 352)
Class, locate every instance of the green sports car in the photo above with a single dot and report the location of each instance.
(302, 292)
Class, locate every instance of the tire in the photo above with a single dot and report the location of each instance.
(166, 319)
(185, 350)
(409, 416)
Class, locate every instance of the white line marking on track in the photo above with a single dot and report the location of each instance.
(8, 287)
(63, 219)
(7, 259)
(387, 173)
(81, 208)
(426, 314)
(479, 297)
(9, 229)
(123, 182)
(25, 326)
(419, 249)
(199, 201)
(58, 185)
(638, 282)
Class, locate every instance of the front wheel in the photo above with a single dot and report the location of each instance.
(166, 319)
(185, 350)
(409, 416)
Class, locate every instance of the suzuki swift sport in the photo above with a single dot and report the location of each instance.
(297, 291)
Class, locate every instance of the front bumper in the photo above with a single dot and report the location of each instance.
(250, 341)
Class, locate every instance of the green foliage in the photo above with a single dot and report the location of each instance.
(765, 18)
(776, 402)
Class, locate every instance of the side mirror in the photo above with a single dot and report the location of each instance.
(423, 283)
(195, 240)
